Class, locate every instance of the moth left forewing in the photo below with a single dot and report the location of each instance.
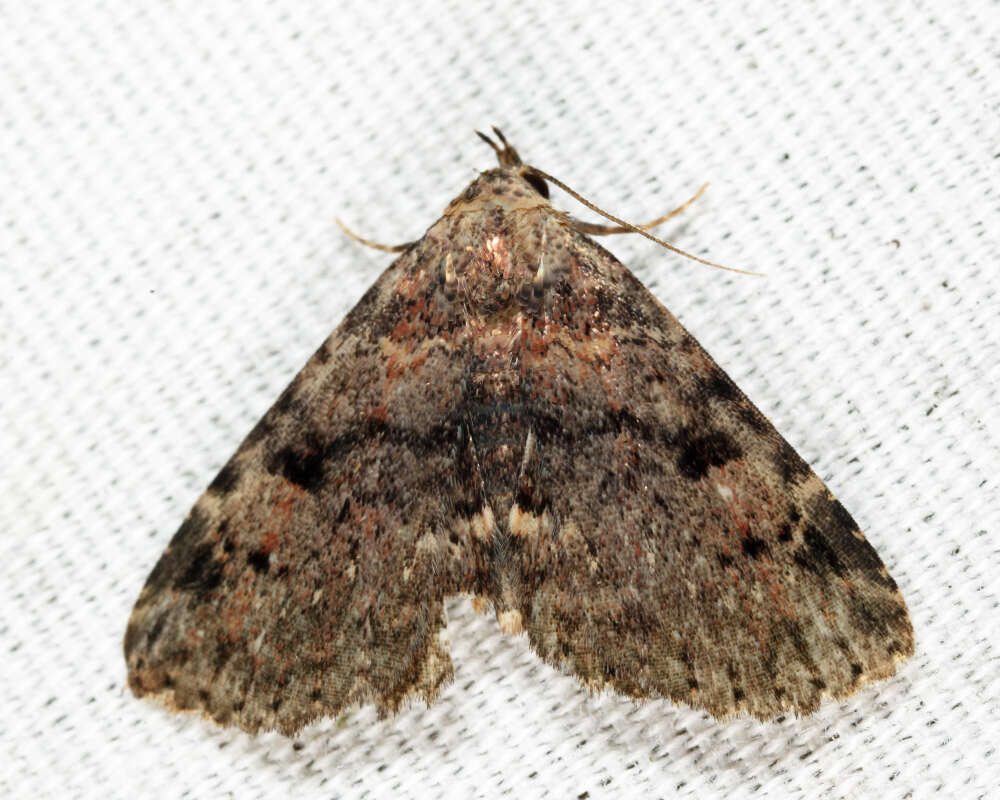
(311, 573)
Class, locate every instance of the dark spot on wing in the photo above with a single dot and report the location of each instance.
(754, 547)
(816, 555)
(466, 506)
(226, 480)
(841, 534)
(223, 651)
(186, 547)
(752, 417)
(699, 453)
(260, 431)
(798, 639)
(344, 510)
(865, 618)
(260, 560)
(790, 465)
(301, 463)
(132, 634)
(529, 499)
(719, 385)
(203, 572)
(322, 354)
(156, 630)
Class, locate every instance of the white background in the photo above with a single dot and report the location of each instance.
(169, 175)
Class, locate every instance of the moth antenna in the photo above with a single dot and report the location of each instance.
(593, 229)
(500, 136)
(489, 141)
(388, 248)
(633, 228)
(508, 156)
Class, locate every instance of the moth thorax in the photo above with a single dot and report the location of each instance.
(490, 278)
(493, 276)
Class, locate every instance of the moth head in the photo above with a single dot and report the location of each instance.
(508, 158)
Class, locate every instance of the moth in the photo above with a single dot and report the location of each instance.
(509, 414)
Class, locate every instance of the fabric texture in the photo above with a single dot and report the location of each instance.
(169, 259)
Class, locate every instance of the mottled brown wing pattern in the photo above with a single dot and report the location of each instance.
(508, 413)
(674, 544)
(311, 573)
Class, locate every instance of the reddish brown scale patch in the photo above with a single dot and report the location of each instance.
(269, 542)
(778, 596)
(403, 331)
(392, 368)
(537, 345)
(283, 506)
(613, 402)
(281, 515)
(236, 610)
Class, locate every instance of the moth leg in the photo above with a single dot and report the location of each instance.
(594, 229)
(388, 248)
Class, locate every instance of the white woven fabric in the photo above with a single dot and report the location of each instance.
(169, 175)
